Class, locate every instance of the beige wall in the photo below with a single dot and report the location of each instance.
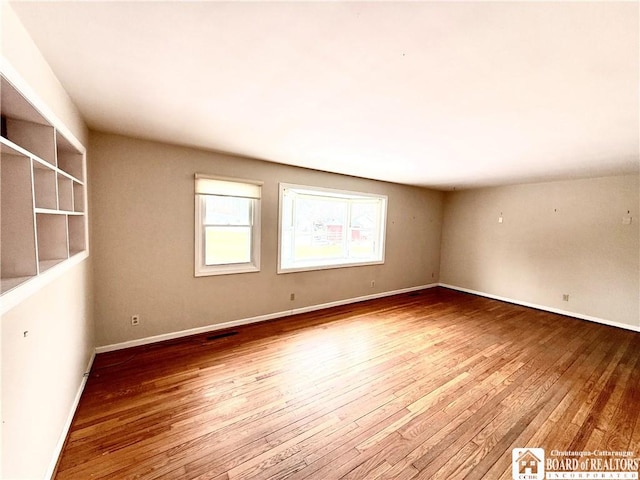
(557, 238)
(42, 372)
(143, 241)
(23, 55)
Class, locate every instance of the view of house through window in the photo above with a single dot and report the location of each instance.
(323, 228)
(227, 226)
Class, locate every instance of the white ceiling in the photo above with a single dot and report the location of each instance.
(438, 94)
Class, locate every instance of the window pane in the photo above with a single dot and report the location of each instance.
(227, 245)
(227, 210)
(329, 228)
(364, 221)
(227, 226)
(319, 228)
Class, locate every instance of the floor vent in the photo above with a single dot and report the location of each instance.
(221, 335)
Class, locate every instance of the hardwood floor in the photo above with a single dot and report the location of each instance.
(434, 385)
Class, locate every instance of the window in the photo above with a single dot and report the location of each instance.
(323, 228)
(227, 226)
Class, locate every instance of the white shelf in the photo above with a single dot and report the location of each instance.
(78, 197)
(77, 234)
(70, 177)
(43, 195)
(9, 148)
(45, 265)
(69, 158)
(44, 185)
(57, 212)
(8, 284)
(65, 193)
(33, 137)
(52, 237)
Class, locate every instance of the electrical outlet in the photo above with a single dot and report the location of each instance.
(135, 320)
(373, 283)
(565, 297)
(292, 297)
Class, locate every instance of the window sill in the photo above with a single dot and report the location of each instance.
(326, 266)
(225, 270)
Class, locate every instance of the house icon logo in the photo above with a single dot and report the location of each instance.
(527, 463)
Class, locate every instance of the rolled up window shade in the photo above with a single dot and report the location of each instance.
(206, 185)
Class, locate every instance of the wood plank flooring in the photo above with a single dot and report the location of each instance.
(432, 385)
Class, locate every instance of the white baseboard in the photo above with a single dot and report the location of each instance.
(67, 425)
(545, 308)
(286, 313)
(311, 308)
(250, 320)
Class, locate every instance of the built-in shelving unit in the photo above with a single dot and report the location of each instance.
(43, 221)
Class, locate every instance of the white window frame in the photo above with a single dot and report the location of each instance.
(232, 187)
(337, 194)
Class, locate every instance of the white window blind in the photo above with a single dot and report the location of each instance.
(227, 226)
(207, 185)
